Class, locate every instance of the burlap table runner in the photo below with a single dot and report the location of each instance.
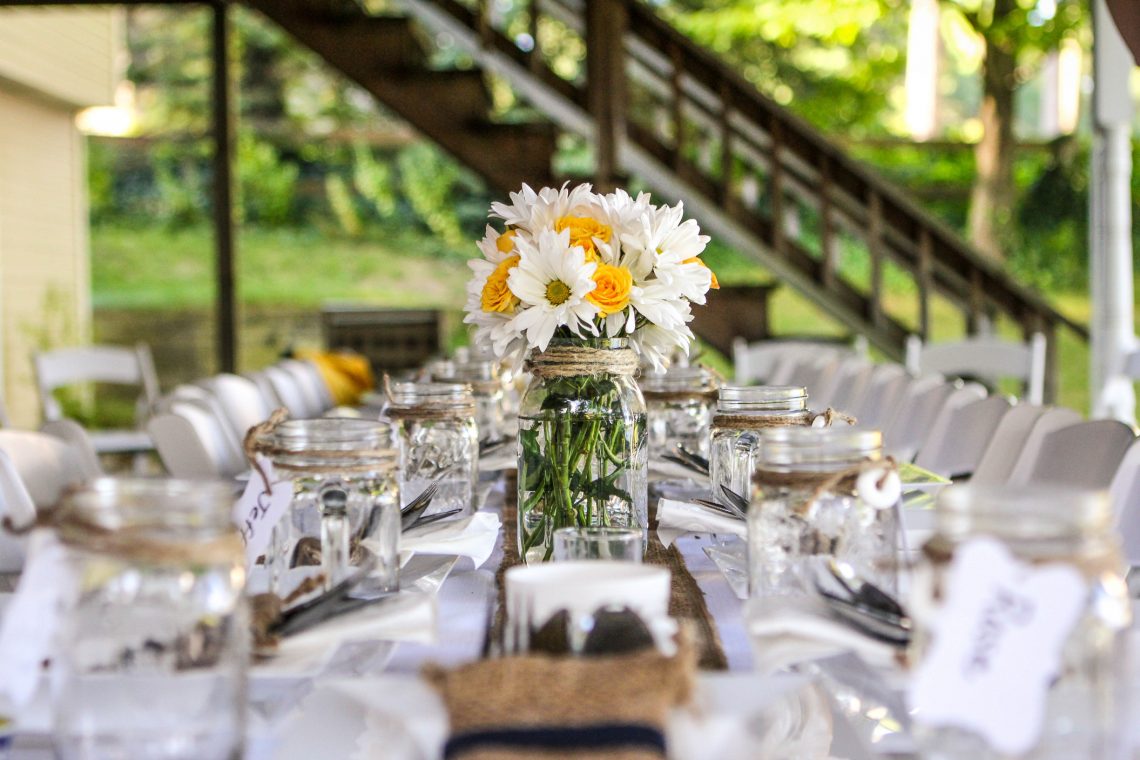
(686, 602)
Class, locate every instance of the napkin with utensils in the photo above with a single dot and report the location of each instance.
(679, 518)
(787, 631)
(471, 537)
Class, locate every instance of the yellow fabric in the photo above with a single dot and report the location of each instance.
(347, 375)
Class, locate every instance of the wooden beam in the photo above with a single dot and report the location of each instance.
(223, 132)
(605, 83)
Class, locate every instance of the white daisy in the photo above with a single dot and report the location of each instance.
(533, 212)
(552, 280)
(493, 243)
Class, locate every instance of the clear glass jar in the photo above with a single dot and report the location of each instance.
(344, 491)
(582, 448)
(806, 507)
(487, 387)
(1086, 709)
(152, 656)
(741, 413)
(679, 403)
(439, 443)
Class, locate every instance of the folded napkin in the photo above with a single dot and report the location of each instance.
(678, 518)
(473, 537)
(500, 459)
(786, 632)
(663, 468)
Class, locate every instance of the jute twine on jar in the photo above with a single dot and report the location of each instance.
(806, 418)
(133, 543)
(429, 409)
(573, 361)
(823, 482)
(256, 442)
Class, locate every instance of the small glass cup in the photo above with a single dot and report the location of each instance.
(488, 389)
(741, 413)
(344, 491)
(573, 543)
(679, 403)
(805, 509)
(153, 654)
(439, 443)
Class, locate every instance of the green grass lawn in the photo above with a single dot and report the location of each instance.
(156, 267)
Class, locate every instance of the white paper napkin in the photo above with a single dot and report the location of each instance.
(473, 537)
(663, 468)
(678, 518)
(792, 631)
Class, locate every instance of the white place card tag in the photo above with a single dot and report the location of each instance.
(30, 625)
(258, 511)
(997, 645)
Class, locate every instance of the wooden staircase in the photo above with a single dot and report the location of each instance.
(658, 108)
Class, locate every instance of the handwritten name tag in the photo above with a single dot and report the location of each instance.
(258, 511)
(997, 645)
(31, 621)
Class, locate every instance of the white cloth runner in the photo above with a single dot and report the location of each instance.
(472, 537)
(679, 518)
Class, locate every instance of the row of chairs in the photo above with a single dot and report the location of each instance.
(199, 427)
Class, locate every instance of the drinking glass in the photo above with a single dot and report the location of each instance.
(591, 542)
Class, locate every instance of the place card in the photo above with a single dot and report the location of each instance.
(258, 510)
(997, 644)
(29, 629)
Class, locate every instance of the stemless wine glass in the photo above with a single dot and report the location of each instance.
(597, 542)
(153, 654)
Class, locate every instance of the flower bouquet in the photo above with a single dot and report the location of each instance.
(584, 286)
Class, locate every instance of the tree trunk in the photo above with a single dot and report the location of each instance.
(993, 194)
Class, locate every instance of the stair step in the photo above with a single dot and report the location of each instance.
(445, 99)
(510, 154)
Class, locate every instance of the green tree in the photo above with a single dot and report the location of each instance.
(1016, 34)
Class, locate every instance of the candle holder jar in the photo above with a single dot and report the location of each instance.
(807, 506)
(439, 442)
(344, 491)
(1086, 704)
(679, 405)
(153, 653)
(742, 412)
(487, 388)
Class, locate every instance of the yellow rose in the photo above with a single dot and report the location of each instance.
(497, 297)
(714, 285)
(583, 230)
(611, 289)
(506, 242)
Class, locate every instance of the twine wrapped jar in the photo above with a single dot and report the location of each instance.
(344, 491)
(152, 654)
(808, 505)
(742, 412)
(487, 388)
(583, 454)
(679, 403)
(1086, 704)
(438, 441)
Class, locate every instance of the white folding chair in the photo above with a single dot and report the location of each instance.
(1011, 436)
(923, 402)
(230, 443)
(242, 402)
(1081, 455)
(834, 379)
(308, 378)
(268, 394)
(35, 470)
(853, 389)
(882, 395)
(193, 444)
(1125, 492)
(959, 436)
(757, 362)
(984, 357)
(118, 365)
(287, 388)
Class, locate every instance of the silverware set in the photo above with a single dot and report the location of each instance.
(864, 606)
